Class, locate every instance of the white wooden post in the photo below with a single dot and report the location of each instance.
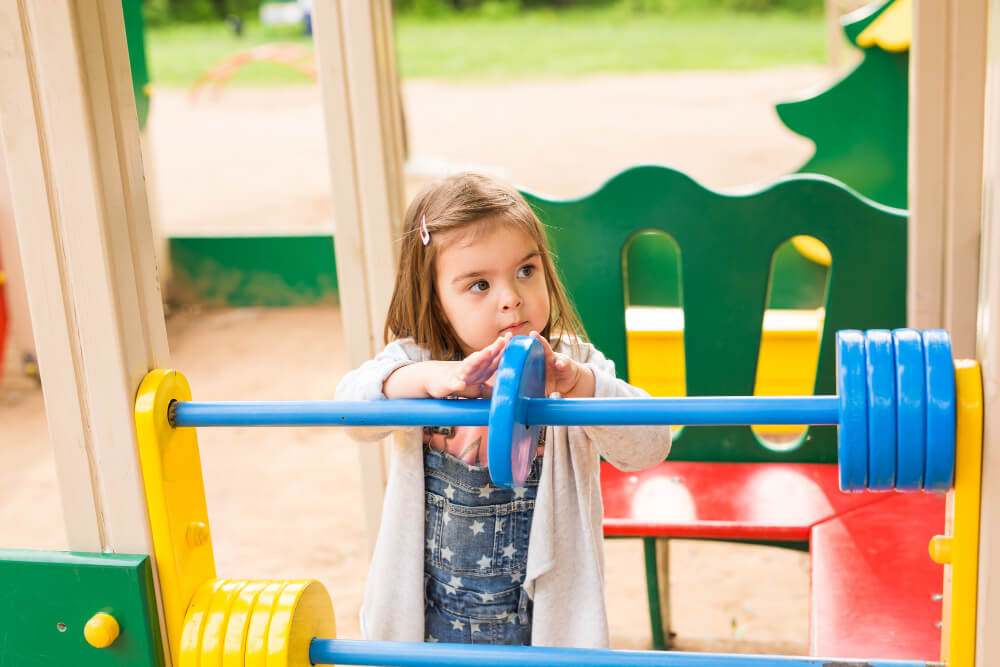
(364, 129)
(947, 77)
(69, 124)
(988, 603)
(834, 36)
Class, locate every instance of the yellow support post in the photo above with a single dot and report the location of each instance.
(958, 549)
(175, 494)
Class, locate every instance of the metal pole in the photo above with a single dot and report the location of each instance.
(416, 654)
(695, 410)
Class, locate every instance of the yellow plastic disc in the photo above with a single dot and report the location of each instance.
(235, 642)
(260, 621)
(217, 621)
(304, 611)
(194, 621)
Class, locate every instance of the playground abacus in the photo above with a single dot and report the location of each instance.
(897, 410)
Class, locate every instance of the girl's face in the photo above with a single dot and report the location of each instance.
(491, 284)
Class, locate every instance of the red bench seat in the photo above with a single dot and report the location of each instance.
(753, 501)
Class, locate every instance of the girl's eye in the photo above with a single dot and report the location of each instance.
(526, 271)
(479, 286)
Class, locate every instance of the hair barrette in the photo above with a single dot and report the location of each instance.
(425, 235)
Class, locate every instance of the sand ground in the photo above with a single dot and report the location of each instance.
(284, 502)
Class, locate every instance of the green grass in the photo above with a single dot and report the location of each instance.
(524, 45)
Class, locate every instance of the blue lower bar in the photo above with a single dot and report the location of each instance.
(415, 654)
(693, 410)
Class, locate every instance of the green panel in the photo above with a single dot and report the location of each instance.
(726, 247)
(859, 124)
(253, 270)
(39, 590)
(135, 34)
(653, 271)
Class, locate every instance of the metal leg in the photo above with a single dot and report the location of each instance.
(656, 552)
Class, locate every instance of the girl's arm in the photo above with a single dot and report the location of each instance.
(365, 383)
(625, 447)
(402, 371)
(470, 377)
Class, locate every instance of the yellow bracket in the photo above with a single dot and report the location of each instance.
(958, 549)
(175, 495)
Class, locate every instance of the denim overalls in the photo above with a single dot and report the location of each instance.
(475, 553)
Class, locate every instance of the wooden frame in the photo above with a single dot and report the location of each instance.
(947, 75)
(357, 76)
(988, 339)
(69, 122)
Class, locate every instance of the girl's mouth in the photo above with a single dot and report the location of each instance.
(513, 327)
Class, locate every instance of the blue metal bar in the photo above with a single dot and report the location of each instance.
(552, 412)
(684, 410)
(416, 654)
(400, 412)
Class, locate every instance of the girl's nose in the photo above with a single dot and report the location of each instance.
(511, 299)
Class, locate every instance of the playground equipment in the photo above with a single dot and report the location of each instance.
(212, 621)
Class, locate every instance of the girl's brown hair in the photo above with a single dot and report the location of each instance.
(475, 204)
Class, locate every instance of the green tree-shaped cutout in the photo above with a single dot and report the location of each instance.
(859, 124)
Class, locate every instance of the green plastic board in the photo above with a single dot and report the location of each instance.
(726, 244)
(46, 598)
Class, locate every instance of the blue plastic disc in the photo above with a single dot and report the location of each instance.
(511, 444)
(852, 434)
(881, 379)
(910, 415)
(939, 374)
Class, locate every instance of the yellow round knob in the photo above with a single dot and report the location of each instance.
(940, 548)
(197, 534)
(101, 630)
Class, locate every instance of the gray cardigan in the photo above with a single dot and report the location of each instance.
(565, 568)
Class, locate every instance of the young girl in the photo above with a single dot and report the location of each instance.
(457, 558)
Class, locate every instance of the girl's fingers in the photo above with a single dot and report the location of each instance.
(545, 346)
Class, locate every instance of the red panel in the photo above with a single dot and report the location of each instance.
(761, 501)
(874, 584)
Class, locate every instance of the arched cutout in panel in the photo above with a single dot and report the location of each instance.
(654, 319)
(792, 330)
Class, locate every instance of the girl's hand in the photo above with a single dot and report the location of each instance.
(569, 378)
(472, 377)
